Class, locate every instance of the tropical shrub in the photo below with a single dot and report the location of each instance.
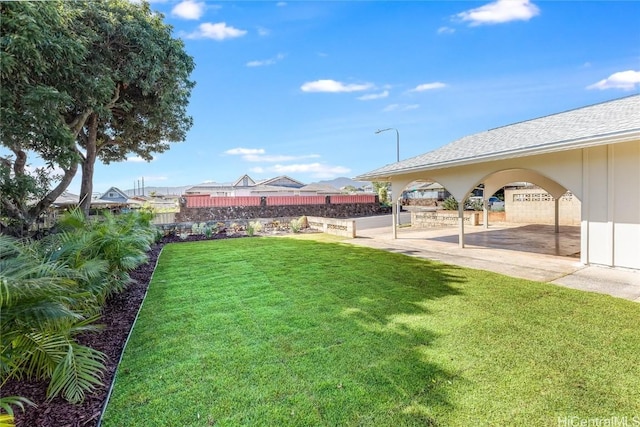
(52, 290)
(117, 243)
(450, 204)
(39, 325)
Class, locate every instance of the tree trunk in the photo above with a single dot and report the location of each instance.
(56, 192)
(86, 185)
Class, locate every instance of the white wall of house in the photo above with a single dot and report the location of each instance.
(611, 205)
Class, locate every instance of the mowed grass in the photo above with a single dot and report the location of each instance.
(287, 332)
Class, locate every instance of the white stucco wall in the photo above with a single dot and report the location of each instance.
(611, 205)
(536, 206)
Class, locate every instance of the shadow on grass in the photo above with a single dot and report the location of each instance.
(392, 304)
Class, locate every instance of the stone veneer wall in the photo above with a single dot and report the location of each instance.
(248, 213)
(426, 219)
(420, 202)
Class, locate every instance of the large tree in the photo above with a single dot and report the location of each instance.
(83, 81)
(39, 55)
(142, 88)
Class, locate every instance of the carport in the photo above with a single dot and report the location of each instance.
(593, 151)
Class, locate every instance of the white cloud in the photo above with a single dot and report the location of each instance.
(400, 107)
(188, 9)
(256, 169)
(625, 80)
(281, 4)
(263, 31)
(258, 155)
(270, 61)
(276, 158)
(244, 151)
(317, 170)
(500, 11)
(136, 159)
(333, 86)
(372, 96)
(428, 86)
(446, 30)
(219, 31)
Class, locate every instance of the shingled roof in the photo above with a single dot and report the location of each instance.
(607, 122)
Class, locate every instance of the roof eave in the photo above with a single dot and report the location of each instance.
(614, 138)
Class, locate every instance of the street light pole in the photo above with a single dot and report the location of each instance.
(397, 204)
(397, 141)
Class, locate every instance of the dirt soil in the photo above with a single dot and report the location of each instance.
(118, 316)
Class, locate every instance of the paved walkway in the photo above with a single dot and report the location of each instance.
(532, 252)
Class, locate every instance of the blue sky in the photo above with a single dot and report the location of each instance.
(298, 88)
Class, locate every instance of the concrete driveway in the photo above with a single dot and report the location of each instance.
(532, 252)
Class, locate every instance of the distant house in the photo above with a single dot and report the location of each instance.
(282, 181)
(425, 190)
(115, 200)
(114, 194)
(247, 186)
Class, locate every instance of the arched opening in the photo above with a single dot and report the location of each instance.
(535, 214)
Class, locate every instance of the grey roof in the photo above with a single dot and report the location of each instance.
(66, 198)
(611, 121)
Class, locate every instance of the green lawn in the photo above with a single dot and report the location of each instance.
(277, 332)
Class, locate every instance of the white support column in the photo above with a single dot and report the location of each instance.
(557, 215)
(485, 214)
(585, 209)
(394, 219)
(461, 224)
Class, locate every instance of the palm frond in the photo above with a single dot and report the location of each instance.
(79, 372)
(7, 402)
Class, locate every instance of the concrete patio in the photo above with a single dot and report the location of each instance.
(532, 252)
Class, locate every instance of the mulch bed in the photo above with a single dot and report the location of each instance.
(118, 316)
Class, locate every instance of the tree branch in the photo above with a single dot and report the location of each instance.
(115, 98)
(78, 123)
(20, 162)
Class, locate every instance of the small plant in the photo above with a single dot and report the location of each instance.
(450, 204)
(254, 227)
(198, 228)
(295, 225)
(208, 232)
